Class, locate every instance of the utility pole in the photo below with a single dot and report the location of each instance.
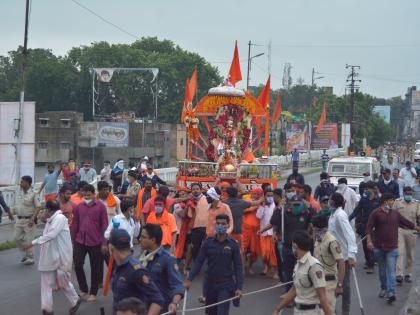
(19, 127)
(352, 80)
(249, 65)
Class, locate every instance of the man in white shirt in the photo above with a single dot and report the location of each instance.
(55, 259)
(125, 221)
(106, 172)
(348, 194)
(87, 173)
(264, 214)
(340, 228)
(399, 180)
(409, 174)
(389, 163)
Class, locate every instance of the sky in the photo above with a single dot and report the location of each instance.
(381, 36)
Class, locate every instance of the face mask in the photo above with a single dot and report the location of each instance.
(88, 201)
(196, 196)
(158, 209)
(366, 179)
(387, 207)
(379, 195)
(290, 195)
(297, 209)
(387, 181)
(50, 171)
(270, 200)
(408, 198)
(86, 168)
(221, 229)
(366, 194)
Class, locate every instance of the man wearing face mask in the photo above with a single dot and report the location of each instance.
(117, 175)
(366, 205)
(216, 207)
(296, 176)
(328, 252)
(264, 214)
(409, 174)
(362, 185)
(88, 173)
(296, 217)
(106, 173)
(126, 221)
(348, 194)
(398, 180)
(387, 185)
(224, 268)
(409, 208)
(340, 228)
(197, 211)
(90, 222)
(308, 292)
(160, 215)
(325, 188)
(386, 220)
(55, 260)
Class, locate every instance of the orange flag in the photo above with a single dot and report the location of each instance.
(193, 84)
(264, 100)
(235, 74)
(321, 121)
(277, 110)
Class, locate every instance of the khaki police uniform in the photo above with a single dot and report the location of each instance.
(328, 251)
(308, 276)
(406, 237)
(26, 203)
(133, 189)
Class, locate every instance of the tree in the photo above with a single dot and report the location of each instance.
(64, 83)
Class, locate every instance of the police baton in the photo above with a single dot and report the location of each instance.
(356, 284)
(184, 303)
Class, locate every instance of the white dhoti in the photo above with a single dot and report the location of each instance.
(53, 279)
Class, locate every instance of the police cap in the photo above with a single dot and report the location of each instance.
(120, 238)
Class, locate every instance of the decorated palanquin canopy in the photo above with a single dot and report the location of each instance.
(227, 95)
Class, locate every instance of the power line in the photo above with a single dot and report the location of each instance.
(105, 20)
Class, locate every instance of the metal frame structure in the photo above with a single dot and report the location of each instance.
(154, 71)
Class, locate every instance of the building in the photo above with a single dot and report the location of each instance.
(411, 114)
(61, 135)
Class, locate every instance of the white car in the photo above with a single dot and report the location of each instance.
(417, 152)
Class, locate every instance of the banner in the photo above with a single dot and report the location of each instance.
(345, 136)
(103, 134)
(104, 74)
(297, 137)
(326, 138)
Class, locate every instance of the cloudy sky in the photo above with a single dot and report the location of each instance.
(382, 36)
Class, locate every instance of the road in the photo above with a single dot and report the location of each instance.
(20, 290)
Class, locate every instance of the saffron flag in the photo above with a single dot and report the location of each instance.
(264, 100)
(321, 121)
(235, 74)
(277, 110)
(193, 84)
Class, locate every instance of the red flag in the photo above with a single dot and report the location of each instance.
(187, 99)
(193, 84)
(321, 121)
(277, 110)
(235, 68)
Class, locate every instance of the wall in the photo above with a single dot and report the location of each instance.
(9, 116)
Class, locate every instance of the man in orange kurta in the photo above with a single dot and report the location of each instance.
(250, 228)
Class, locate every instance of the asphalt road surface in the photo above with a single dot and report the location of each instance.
(20, 290)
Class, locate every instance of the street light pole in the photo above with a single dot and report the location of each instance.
(249, 65)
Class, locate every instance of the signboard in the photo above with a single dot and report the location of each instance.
(104, 134)
(297, 137)
(326, 138)
(384, 112)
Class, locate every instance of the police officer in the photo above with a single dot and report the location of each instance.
(26, 208)
(162, 267)
(328, 252)
(224, 262)
(308, 291)
(129, 279)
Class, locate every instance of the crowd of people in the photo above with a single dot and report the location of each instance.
(305, 240)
